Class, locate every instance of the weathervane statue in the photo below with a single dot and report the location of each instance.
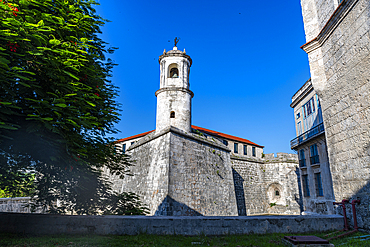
(176, 41)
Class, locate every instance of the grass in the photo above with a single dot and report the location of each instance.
(168, 240)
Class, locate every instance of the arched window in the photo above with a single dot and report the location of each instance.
(172, 114)
(277, 193)
(173, 70)
(174, 73)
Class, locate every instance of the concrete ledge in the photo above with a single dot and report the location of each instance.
(44, 224)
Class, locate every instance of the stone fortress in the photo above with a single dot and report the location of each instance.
(187, 170)
(181, 169)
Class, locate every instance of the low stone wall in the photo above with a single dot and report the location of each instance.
(15, 204)
(18, 205)
(45, 224)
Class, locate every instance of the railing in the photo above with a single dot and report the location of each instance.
(307, 135)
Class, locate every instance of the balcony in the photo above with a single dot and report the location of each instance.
(308, 135)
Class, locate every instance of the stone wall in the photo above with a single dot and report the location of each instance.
(315, 15)
(149, 175)
(177, 173)
(257, 181)
(43, 224)
(180, 174)
(340, 68)
(201, 180)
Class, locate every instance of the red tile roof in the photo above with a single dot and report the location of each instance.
(226, 136)
(207, 131)
(133, 137)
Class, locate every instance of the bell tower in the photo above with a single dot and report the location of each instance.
(174, 96)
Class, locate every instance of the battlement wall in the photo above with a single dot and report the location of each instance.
(269, 187)
(281, 157)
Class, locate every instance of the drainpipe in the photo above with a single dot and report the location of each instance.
(354, 202)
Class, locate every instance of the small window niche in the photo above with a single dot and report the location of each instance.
(173, 71)
(172, 114)
(275, 194)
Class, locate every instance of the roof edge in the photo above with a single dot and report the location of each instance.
(226, 136)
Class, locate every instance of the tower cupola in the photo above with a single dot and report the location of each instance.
(174, 96)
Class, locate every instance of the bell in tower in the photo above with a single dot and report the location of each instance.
(174, 73)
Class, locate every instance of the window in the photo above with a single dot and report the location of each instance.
(302, 159)
(254, 151)
(309, 107)
(306, 190)
(132, 143)
(318, 185)
(314, 155)
(277, 193)
(236, 148)
(225, 142)
(298, 115)
(123, 148)
(172, 114)
(245, 149)
(299, 129)
(174, 73)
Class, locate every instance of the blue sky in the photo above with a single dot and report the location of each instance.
(247, 63)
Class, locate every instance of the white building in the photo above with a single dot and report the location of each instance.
(316, 182)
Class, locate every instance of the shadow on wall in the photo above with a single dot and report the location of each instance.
(299, 199)
(239, 193)
(171, 207)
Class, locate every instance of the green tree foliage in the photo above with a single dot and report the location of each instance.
(57, 103)
(15, 181)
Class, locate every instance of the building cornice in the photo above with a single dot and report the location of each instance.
(176, 53)
(301, 93)
(342, 10)
(166, 89)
